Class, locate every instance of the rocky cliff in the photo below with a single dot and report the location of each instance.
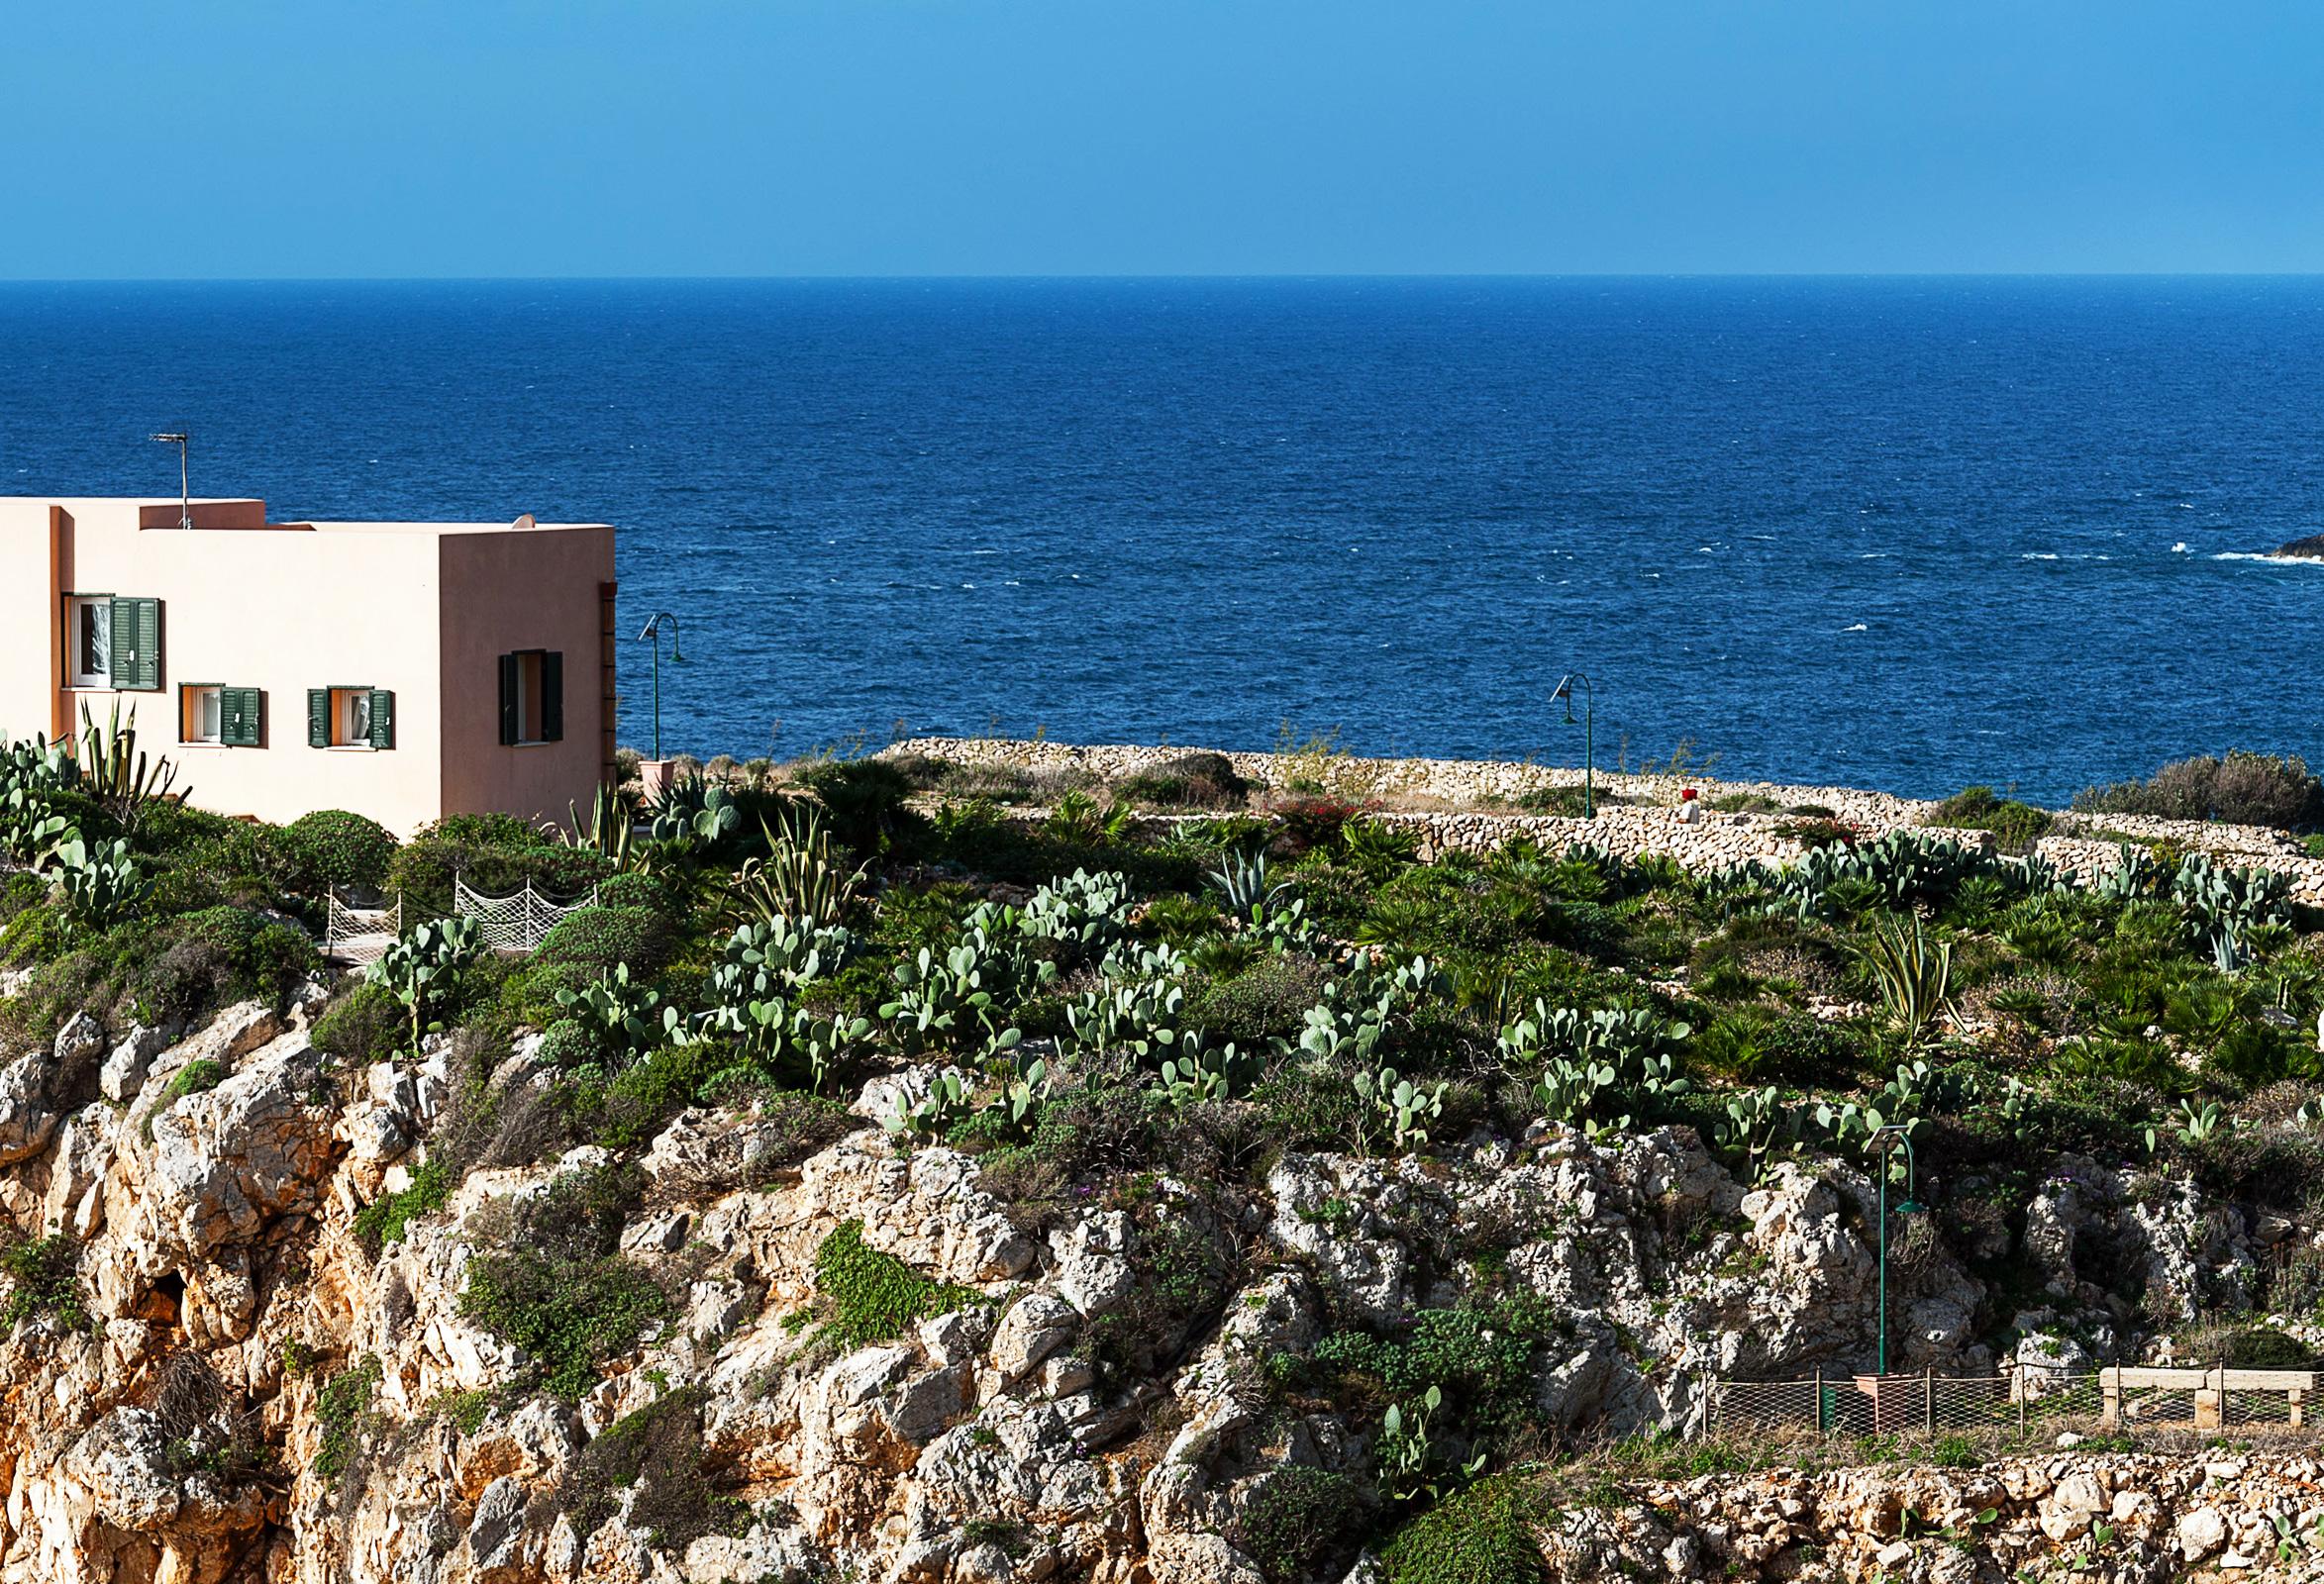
(870, 1365)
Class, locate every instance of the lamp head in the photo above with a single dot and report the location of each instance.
(171, 439)
(1564, 691)
(652, 630)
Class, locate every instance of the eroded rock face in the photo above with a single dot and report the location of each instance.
(1062, 1424)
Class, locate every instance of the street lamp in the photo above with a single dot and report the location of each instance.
(185, 504)
(652, 635)
(1590, 728)
(1883, 1140)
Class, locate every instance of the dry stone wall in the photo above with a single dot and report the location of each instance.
(1464, 805)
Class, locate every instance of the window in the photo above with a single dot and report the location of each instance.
(531, 696)
(111, 643)
(224, 717)
(351, 717)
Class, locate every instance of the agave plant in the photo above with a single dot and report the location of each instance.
(1915, 976)
(798, 878)
(609, 830)
(1240, 879)
(112, 770)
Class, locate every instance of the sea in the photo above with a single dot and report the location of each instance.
(1901, 533)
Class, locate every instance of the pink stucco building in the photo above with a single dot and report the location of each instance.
(404, 671)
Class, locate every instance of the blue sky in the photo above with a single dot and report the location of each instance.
(1157, 137)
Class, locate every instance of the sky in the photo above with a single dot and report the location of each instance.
(589, 137)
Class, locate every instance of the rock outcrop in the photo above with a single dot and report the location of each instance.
(263, 1395)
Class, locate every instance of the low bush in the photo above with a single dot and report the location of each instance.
(1190, 781)
(1479, 1535)
(367, 1024)
(1296, 1518)
(424, 870)
(550, 1282)
(864, 800)
(599, 939)
(385, 1220)
(1980, 807)
(658, 1453)
(340, 848)
(870, 1296)
(2242, 789)
(44, 1279)
(1568, 802)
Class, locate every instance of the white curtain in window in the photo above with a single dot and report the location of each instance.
(96, 638)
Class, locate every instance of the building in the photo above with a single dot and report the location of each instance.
(403, 670)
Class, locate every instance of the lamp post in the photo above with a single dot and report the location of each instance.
(185, 500)
(652, 637)
(1884, 1140)
(1590, 728)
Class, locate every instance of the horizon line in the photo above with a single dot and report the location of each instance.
(1136, 275)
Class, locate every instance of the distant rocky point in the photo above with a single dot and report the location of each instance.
(2310, 548)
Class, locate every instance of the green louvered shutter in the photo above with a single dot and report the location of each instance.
(382, 718)
(511, 683)
(551, 696)
(317, 717)
(241, 709)
(137, 644)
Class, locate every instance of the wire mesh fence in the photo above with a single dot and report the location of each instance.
(1930, 1404)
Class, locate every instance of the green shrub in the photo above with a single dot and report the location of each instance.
(1296, 1518)
(43, 1278)
(636, 890)
(342, 848)
(385, 1220)
(597, 939)
(556, 1287)
(1190, 781)
(342, 1408)
(870, 1296)
(425, 867)
(365, 1026)
(1743, 803)
(1980, 807)
(1564, 801)
(2242, 788)
(197, 1077)
(503, 833)
(1481, 1536)
(658, 1453)
(864, 800)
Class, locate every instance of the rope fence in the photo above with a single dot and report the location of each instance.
(1932, 1404)
(357, 935)
(517, 923)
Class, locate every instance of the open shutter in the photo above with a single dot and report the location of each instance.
(136, 644)
(553, 696)
(382, 718)
(510, 684)
(123, 636)
(317, 717)
(240, 707)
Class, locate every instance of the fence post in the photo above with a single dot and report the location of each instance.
(1929, 1397)
(1821, 1425)
(2017, 1390)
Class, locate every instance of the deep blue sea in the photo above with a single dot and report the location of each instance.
(1899, 533)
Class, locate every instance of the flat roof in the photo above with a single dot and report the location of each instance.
(248, 507)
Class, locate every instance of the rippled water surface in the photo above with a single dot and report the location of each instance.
(1900, 533)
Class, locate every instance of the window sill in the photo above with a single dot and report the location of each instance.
(546, 742)
(351, 748)
(215, 745)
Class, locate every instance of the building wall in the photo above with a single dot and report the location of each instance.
(422, 613)
(504, 592)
